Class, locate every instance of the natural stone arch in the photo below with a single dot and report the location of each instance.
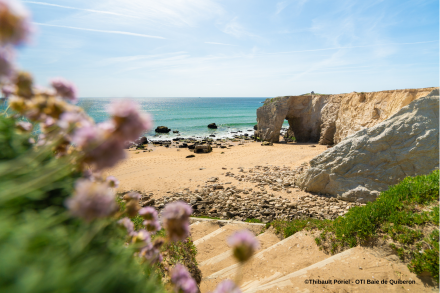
(302, 112)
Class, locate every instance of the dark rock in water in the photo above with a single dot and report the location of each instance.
(246, 134)
(212, 126)
(162, 129)
(175, 131)
(190, 156)
(255, 126)
(212, 135)
(141, 140)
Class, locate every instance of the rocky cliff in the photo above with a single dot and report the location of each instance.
(329, 119)
(372, 159)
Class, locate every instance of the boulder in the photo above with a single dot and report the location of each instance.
(175, 131)
(162, 129)
(371, 160)
(212, 126)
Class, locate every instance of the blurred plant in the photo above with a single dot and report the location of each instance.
(43, 246)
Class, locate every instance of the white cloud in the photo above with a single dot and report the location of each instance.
(214, 43)
(165, 13)
(76, 8)
(101, 31)
(234, 28)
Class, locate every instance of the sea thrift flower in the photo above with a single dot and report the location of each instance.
(73, 120)
(106, 155)
(142, 237)
(24, 126)
(148, 213)
(182, 280)
(84, 136)
(128, 224)
(129, 121)
(112, 181)
(132, 196)
(64, 89)
(227, 286)
(15, 25)
(151, 252)
(176, 220)
(92, 200)
(8, 90)
(152, 226)
(6, 63)
(244, 244)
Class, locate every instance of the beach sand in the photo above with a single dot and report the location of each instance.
(168, 170)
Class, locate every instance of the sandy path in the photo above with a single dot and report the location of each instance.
(168, 169)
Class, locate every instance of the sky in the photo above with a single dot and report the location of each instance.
(233, 48)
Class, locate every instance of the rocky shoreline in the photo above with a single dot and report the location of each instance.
(227, 201)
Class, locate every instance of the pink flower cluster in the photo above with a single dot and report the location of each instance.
(182, 280)
(150, 251)
(244, 244)
(227, 286)
(151, 222)
(103, 144)
(176, 220)
(64, 89)
(92, 200)
(15, 23)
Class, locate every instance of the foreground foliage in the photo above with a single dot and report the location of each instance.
(42, 248)
(405, 217)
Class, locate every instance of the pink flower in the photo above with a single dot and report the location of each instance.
(132, 196)
(176, 220)
(102, 149)
(106, 155)
(92, 200)
(148, 213)
(6, 64)
(129, 121)
(227, 286)
(24, 126)
(86, 136)
(151, 253)
(112, 181)
(64, 89)
(182, 280)
(74, 120)
(244, 244)
(152, 225)
(8, 90)
(128, 224)
(142, 237)
(15, 24)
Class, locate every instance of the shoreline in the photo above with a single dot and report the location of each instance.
(159, 170)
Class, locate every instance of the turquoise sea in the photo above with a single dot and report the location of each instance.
(190, 116)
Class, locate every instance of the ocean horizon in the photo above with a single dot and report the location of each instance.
(189, 115)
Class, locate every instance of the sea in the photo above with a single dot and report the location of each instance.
(189, 116)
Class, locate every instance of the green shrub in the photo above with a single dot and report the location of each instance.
(42, 248)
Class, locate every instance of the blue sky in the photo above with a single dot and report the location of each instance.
(234, 48)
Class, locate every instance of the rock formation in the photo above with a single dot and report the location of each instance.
(162, 129)
(212, 126)
(372, 159)
(329, 119)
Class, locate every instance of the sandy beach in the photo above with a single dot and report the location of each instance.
(165, 170)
